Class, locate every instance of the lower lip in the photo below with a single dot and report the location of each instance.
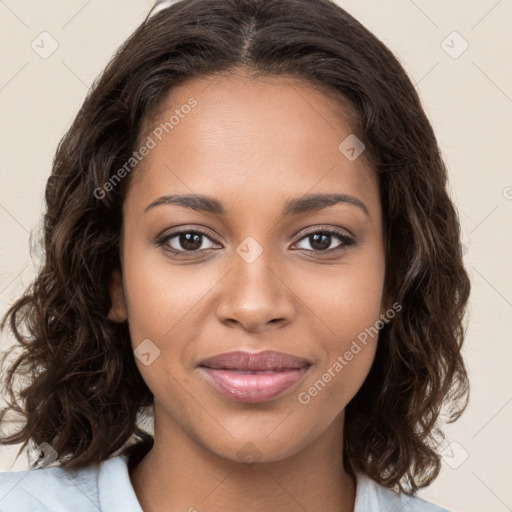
(253, 387)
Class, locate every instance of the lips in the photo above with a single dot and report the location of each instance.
(259, 361)
(253, 377)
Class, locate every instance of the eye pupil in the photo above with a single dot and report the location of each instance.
(320, 241)
(190, 241)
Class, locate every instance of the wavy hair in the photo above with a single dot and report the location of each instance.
(82, 391)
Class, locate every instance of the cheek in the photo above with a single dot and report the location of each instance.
(346, 307)
(164, 298)
(166, 305)
(344, 300)
(350, 311)
(333, 385)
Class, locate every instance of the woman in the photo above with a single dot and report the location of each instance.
(247, 232)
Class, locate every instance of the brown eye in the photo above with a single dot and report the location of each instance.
(188, 241)
(321, 240)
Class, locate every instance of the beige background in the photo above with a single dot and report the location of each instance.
(468, 99)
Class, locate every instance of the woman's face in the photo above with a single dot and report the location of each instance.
(260, 276)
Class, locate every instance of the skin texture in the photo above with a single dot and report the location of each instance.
(252, 144)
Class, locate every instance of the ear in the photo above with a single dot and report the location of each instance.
(118, 311)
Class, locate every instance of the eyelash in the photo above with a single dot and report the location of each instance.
(347, 241)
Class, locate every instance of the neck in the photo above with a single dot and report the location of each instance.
(178, 473)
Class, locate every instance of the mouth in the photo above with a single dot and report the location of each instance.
(254, 377)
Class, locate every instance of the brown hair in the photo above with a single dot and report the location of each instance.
(83, 390)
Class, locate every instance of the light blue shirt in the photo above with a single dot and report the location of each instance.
(106, 487)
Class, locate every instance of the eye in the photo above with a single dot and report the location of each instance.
(191, 241)
(321, 240)
(184, 241)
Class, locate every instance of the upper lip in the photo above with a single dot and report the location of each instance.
(254, 361)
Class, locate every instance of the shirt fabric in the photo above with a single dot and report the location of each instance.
(106, 487)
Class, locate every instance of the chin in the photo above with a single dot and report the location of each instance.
(250, 450)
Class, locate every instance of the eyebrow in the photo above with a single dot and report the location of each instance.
(296, 206)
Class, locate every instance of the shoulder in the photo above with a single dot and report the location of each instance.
(105, 486)
(48, 489)
(372, 497)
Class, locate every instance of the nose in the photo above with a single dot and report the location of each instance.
(255, 297)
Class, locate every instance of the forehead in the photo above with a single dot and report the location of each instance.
(267, 138)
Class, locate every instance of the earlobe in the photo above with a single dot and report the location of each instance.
(118, 311)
